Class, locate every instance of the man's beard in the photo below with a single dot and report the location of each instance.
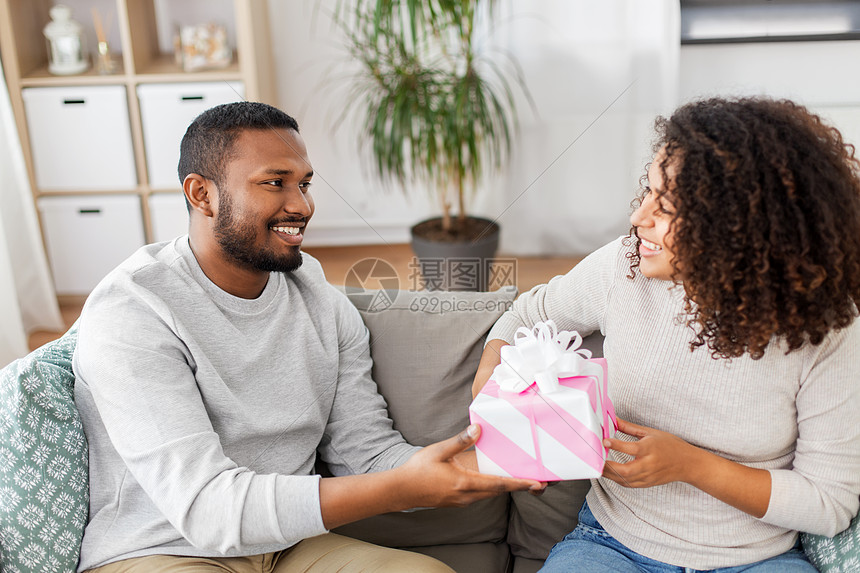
(237, 240)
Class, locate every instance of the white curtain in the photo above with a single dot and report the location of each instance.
(27, 298)
(599, 73)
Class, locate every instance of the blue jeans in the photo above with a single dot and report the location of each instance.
(590, 549)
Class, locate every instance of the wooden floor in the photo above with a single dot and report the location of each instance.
(337, 261)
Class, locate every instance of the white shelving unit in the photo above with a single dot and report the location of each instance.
(139, 40)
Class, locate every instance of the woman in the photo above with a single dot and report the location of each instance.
(733, 350)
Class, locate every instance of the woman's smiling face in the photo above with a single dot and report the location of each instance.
(653, 222)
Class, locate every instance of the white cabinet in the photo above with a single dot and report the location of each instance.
(115, 134)
(87, 236)
(80, 138)
(169, 216)
(166, 110)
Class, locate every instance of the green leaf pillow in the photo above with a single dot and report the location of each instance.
(44, 490)
(839, 554)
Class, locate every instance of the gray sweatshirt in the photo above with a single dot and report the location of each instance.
(204, 411)
(796, 415)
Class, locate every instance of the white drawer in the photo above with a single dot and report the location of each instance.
(80, 138)
(168, 216)
(166, 111)
(87, 236)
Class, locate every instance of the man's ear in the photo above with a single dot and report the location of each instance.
(200, 193)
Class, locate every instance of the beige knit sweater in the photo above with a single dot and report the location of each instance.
(796, 415)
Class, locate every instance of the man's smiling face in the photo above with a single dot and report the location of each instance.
(264, 204)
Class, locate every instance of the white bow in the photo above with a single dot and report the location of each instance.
(541, 355)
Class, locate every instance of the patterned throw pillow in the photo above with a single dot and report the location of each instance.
(839, 554)
(44, 492)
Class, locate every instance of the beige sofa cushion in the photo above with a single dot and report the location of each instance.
(538, 523)
(426, 347)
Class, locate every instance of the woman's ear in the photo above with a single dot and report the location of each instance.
(199, 190)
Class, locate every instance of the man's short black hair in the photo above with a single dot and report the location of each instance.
(207, 145)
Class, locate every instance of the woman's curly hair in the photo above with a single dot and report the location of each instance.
(766, 232)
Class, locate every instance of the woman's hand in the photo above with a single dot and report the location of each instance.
(490, 358)
(659, 457)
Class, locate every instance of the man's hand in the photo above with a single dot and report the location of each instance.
(469, 460)
(440, 475)
(445, 474)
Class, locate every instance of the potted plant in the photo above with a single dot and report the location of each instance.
(433, 109)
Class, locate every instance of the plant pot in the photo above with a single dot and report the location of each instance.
(454, 261)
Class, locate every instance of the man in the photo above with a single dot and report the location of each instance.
(211, 369)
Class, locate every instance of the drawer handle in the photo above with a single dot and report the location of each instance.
(89, 211)
(74, 101)
(190, 98)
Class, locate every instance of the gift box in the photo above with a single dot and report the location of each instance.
(545, 410)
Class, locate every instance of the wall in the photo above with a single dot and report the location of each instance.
(574, 200)
(598, 73)
(353, 207)
(821, 75)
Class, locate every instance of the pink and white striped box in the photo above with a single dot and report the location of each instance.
(547, 436)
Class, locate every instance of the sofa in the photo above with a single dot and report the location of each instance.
(425, 348)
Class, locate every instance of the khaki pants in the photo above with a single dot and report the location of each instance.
(323, 554)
